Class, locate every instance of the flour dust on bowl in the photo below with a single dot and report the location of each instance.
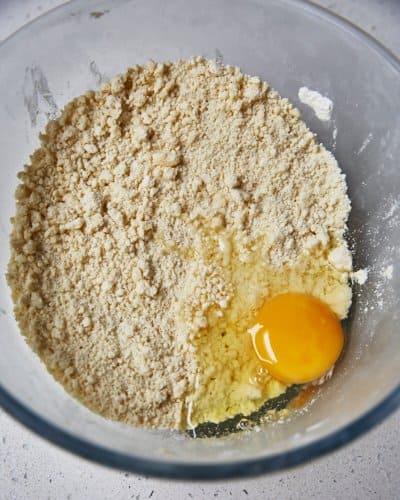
(292, 46)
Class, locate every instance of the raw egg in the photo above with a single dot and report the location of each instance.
(297, 337)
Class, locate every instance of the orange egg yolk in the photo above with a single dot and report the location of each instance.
(297, 337)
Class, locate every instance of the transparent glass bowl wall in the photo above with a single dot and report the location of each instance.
(289, 44)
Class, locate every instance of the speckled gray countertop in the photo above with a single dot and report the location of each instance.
(367, 468)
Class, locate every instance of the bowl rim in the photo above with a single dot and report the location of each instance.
(210, 471)
(199, 471)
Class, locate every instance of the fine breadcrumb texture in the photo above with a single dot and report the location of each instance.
(155, 218)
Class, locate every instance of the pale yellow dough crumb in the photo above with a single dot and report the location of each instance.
(157, 215)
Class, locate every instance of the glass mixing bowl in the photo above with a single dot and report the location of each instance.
(289, 44)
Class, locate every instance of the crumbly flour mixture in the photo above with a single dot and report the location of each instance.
(155, 218)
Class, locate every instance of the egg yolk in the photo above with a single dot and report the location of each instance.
(297, 337)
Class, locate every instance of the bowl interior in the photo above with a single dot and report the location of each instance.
(289, 44)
